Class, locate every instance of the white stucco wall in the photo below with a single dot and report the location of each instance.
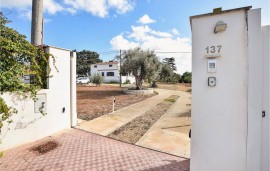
(73, 89)
(105, 68)
(254, 90)
(265, 160)
(226, 119)
(115, 68)
(29, 126)
(219, 114)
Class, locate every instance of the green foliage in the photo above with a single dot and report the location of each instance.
(97, 79)
(155, 93)
(166, 73)
(127, 82)
(170, 62)
(84, 59)
(187, 77)
(176, 78)
(17, 58)
(143, 65)
(170, 100)
(113, 82)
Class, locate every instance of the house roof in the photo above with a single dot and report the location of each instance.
(215, 13)
(105, 63)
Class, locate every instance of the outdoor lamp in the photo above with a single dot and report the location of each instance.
(220, 26)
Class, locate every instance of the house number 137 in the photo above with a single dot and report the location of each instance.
(213, 49)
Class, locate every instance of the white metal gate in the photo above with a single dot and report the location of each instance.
(265, 106)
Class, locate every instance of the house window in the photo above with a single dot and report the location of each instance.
(110, 65)
(102, 74)
(110, 74)
(29, 79)
(95, 66)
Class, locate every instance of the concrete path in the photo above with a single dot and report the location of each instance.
(170, 133)
(106, 124)
(80, 150)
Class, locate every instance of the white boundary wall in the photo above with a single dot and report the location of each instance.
(265, 160)
(226, 119)
(29, 126)
(254, 117)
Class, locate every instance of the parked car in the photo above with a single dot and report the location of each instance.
(82, 80)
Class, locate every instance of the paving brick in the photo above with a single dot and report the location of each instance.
(80, 150)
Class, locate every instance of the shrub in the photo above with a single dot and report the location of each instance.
(113, 82)
(187, 77)
(127, 82)
(97, 79)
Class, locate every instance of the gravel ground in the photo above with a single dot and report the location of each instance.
(135, 129)
(93, 102)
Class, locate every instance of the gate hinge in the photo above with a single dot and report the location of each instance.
(263, 113)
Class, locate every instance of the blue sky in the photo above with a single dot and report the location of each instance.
(106, 25)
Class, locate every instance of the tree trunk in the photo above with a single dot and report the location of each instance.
(138, 83)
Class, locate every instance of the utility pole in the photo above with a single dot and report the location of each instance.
(37, 23)
(120, 68)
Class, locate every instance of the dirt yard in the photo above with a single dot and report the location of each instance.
(134, 130)
(177, 87)
(93, 101)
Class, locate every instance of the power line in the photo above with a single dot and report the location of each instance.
(116, 52)
(172, 52)
(108, 52)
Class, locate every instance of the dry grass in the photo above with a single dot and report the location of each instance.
(45, 147)
(177, 87)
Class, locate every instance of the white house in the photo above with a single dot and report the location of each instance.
(111, 72)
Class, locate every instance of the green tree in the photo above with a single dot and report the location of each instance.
(170, 62)
(176, 78)
(143, 65)
(187, 77)
(166, 73)
(84, 59)
(17, 58)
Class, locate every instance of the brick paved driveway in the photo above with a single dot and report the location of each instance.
(80, 150)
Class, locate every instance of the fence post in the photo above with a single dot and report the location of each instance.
(113, 104)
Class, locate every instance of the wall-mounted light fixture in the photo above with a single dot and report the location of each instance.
(220, 26)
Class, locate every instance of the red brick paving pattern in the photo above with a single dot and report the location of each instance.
(83, 151)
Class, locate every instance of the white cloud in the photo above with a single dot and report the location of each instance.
(147, 38)
(175, 31)
(98, 8)
(95, 7)
(24, 7)
(46, 20)
(122, 6)
(146, 20)
(51, 7)
(26, 14)
(143, 33)
(21, 4)
(160, 34)
(118, 42)
(71, 10)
